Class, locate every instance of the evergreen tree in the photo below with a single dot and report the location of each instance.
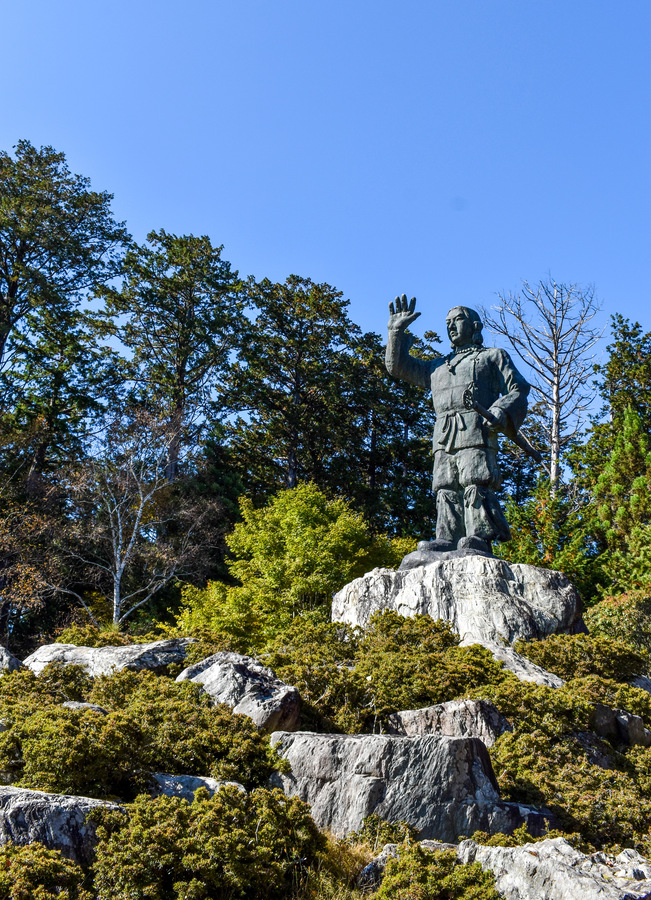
(58, 239)
(290, 386)
(622, 505)
(179, 312)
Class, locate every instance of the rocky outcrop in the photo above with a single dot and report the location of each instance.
(8, 662)
(458, 718)
(486, 600)
(185, 786)
(521, 667)
(554, 870)
(619, 725)
(155, 656)
(249, 688)
(442, 786)
(56, 820)
(546, 870)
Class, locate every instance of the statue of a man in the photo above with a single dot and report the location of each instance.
(468, 514)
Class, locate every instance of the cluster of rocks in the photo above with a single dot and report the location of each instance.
(431, 769)
(548, 870)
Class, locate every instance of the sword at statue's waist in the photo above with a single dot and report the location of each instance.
(518, 439)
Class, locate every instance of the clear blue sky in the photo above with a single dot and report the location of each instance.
(445, 148)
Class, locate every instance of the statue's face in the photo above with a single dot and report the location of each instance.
(461, 329)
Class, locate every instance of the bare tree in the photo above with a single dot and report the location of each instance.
(128, 534)
(549, 326)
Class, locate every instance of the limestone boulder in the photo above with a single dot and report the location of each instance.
(442, 786)
(457, 718)
(155, 656)
(8, 662)
(547, 870)
(56, 820)
(185, 786)
(248, 688)
(554, 870)
(487, 601)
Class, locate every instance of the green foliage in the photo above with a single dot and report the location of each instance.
(290, 556)
(550, 531)
(419, 874)
(232, 845)
(32, 872)
(622, 506)
(183, 732)
(152, 724)
(578, 655)
(353, 683)
(318, 658)
(414, 662)
(92, 636)
(625, 618)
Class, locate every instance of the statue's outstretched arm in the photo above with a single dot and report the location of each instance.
(399, 362)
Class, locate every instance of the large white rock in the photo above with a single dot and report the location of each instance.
(185, 786)
(554, 870)
(486, 600)
(457, 718)
(105, 660)
(56, 820)
(442, 786)
(248, 688)
(547, 870)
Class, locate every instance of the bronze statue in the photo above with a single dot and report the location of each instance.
(477, 393)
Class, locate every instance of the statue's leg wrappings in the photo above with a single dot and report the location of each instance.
(449, 498)
(449, 516)
(483, 515)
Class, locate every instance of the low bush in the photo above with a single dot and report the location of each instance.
(32, 872)
(152, 724)
(256, 846)
(578, 655)
(418, 874)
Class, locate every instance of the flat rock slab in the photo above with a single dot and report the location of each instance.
(442, 786)
(554, 870)
(8, 662)
(248, 688)
(457, 718)
(185, 786)
(56, 820)
(155, 656)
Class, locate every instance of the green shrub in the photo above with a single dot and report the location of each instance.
(414, 662)
(419, 874)
(578, 655)
(289, 557)
(153, 725)
(34, 873)
(233, 845)
(608, 807)
(626, 618)
(183, 731)
(318, 659)
(376, 832)
(57, 683)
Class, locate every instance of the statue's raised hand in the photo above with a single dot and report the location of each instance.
(402, 314)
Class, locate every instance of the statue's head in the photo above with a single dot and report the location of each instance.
(464, 327)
